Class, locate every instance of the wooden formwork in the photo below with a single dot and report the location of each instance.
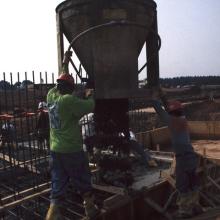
(205, 129)
(198, 130)
(204, 135)
(149, 203)
(115, 206)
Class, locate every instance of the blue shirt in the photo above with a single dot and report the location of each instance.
(180, 137)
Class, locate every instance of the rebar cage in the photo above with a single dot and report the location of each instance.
(24, 150)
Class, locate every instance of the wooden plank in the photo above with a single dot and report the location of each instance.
(112, 201)
(162, 158)
(212, 214)
(158, 208)
(209, 201)
(110, 189)
(213, 182)
(167, 176)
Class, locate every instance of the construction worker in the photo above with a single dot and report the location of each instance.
(186, 158)
(88, 132)
(43, 127)
(137, 148)
(8, 133)
(68, 161)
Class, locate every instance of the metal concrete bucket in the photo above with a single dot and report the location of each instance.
(110, 53)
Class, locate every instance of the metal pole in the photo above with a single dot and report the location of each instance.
(153, 56)
(60, 43)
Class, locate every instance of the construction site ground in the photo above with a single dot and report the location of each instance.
(155, 185)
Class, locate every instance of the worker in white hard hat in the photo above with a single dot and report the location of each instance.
(68, 160)
(42, 127)
(42, 105)
(7, 133)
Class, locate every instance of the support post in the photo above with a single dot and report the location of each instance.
(60, 43)
(152, 54)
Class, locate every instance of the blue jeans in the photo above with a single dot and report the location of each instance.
(66, 167)
(186, 177)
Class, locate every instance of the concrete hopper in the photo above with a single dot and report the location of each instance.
(108, 54)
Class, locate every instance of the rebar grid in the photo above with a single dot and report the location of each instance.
(24, 159)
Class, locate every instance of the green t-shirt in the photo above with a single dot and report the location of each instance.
(65, 112)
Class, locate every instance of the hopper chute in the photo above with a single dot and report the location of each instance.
(109, 54)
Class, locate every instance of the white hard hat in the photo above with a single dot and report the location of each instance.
(42, 105)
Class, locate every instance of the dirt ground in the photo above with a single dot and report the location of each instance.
(208, 149)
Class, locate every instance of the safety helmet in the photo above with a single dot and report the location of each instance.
(42, 105)
(174, 105)
(66, 78)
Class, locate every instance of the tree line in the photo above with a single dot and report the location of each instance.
(190, 80)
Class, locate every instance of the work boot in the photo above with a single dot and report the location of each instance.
(91, 209)
(182, 215)
(184, 206)
(152, 163)
(54, 213)
(197, 208)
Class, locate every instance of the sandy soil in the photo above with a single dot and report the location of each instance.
(208, 148)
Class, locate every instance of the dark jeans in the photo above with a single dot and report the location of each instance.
(66, 167)
(90, 142)
(186, 177)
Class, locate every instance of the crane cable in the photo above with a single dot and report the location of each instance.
(109, 24)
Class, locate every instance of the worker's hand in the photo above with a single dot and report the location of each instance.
(68, 53)
(67, 56)
(89, 93)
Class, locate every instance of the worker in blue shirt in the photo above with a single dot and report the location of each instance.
(172, 113)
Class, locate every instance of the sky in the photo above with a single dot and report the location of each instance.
(189, 29)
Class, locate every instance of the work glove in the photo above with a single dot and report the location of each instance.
(89, 93)
(67, 56)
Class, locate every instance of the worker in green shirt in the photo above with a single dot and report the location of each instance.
(68, 161)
